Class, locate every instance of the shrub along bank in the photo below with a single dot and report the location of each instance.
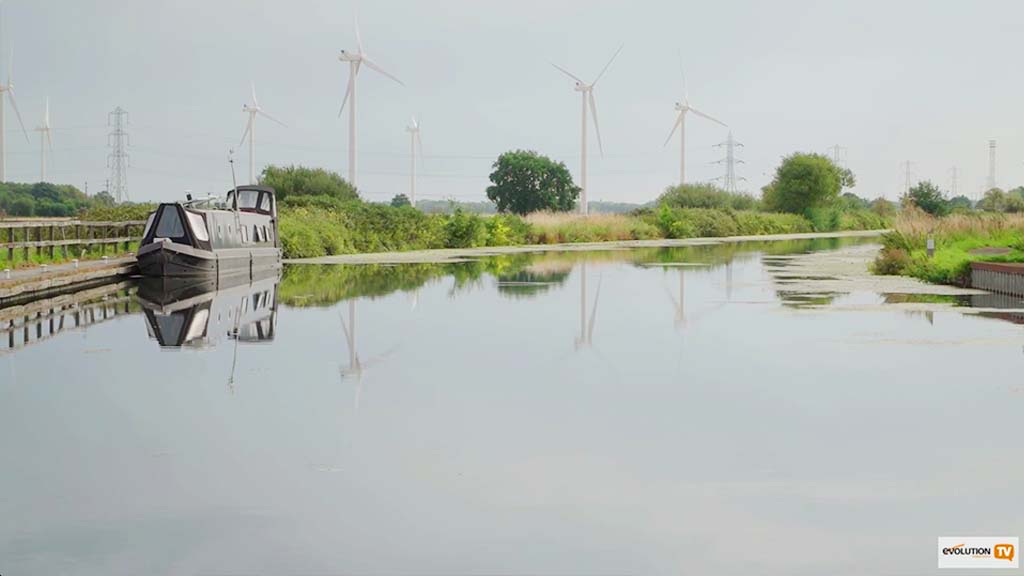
(314, 228)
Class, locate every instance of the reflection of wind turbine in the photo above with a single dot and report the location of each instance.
(683, 108)
(414, 135)
(680, 304)
(355, 61)
(45, 140)
(587, 93)
(728, 281)
(8, 88)
(253, 109)
(586, 337)
(355, 365)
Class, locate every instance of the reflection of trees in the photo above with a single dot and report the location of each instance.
(528, 284)
(522, 275)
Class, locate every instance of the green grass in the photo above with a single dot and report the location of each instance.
(904, 249)
(314, 228)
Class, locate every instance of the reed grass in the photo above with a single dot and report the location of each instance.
(957, 237)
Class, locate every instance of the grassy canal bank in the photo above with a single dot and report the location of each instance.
(959, 240)
(319, 231)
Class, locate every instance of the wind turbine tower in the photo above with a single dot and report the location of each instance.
(415, 142)
(45, 141)
(7, 93)
(587, 94)
(684, 108)
(355, 61)
(253, 109)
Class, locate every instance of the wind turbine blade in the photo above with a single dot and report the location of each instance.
(351, 81)
(14, 104)
(10, 68)
(254, 101)
(49, 138)
(269, 117)
(597, 127)
(593, 313)
(605, 69)
(248, 127)
(419, 143)
(679, 120)
(359, 37)
(567, 73)
(373, 66)
(703, 115)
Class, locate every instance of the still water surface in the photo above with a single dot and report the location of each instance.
(656, 411)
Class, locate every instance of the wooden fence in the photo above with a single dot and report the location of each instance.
(48, 236)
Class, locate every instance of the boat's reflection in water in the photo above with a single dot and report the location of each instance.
(199, 313)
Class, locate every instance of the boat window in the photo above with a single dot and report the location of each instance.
(256, 234)
(170, 225)
(149, 224)
(170, 327)
(266, 236)
(197, 328)
(247, 199)
(198, 226)
(245, 235)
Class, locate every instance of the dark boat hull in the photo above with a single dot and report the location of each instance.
(171, 260)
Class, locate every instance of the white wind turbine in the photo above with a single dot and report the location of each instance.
(415, 142)
(8, 89)
(355, 61)
(587, 92)
(683, 108)
(45, 141)
(253, 109)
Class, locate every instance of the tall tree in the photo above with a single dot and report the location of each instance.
(804, 182)
(524, 182)
(929, 198)
(301, 181)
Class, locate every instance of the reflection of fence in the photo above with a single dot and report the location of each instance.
(47, 236)
(40, 320)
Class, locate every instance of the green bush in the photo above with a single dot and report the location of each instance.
(507, 230)
(891, 261)
(301, 181)
(464, 230)
(706, 196)
(703, 222)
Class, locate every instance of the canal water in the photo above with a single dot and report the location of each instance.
(652, 411)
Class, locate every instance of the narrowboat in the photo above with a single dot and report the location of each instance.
(213, 237)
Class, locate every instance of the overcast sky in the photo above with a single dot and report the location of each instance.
(891, 81)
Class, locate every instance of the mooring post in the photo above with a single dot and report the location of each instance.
(930, 246)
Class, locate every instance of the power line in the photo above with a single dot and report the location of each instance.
(908, 171)
(991, 164)
(838, 154)
(118, 160)
(729, 179)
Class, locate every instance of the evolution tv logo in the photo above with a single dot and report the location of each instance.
(978, 552)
